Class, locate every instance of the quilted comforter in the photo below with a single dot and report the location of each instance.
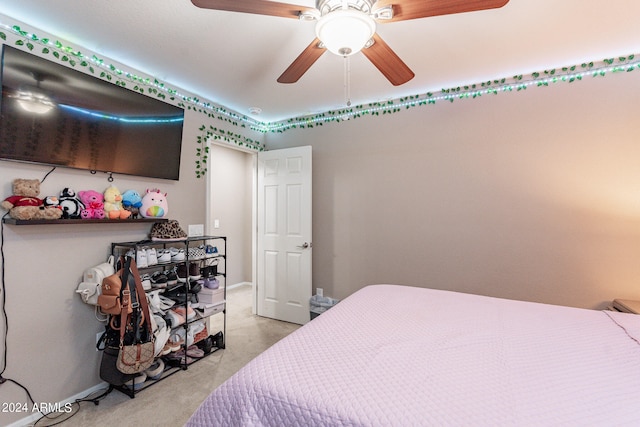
(393, 355)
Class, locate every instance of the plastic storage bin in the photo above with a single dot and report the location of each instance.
(318, 305)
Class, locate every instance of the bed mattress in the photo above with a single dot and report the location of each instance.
(392, 355)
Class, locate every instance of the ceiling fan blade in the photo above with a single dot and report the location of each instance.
(413, 9)
(259, 7)
(386, 60)
(302, 63)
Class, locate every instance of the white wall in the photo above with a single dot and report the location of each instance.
(533, 195)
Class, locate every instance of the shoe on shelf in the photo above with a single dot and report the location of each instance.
(141, 258)
(211, 251)
(152, 256)
(175, 342)
(211, 283)
(158, 280)
(163, 256)
(188, 312)
(172, 277)
(156, 369)
(177, 255)
(194, 271)
(146, 282)
(196, 253)
(181, 272)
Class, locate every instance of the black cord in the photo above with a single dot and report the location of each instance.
(5, 318)
(4, 300)
(68, 408)
(48, 173)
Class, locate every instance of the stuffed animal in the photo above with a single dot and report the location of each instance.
(154, 204)
(131, 201)
(70, 204)
(113, 204)
(25, 203)
(93, 204)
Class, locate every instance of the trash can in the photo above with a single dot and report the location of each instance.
(318, 305)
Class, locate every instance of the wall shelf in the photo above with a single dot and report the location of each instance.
(13, 221)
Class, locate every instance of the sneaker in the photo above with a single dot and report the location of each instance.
(181, 272)
(174, 342)
(189, 312)
(211, 283)
(158, 280)
(163, 256)
(177, 255)
(152, 258)
(194, 271)
(141, 258)
(172, 277)
(146, 282)
(196, 253)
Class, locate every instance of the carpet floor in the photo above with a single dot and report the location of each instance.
(172, 401)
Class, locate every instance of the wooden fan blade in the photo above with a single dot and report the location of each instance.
(259, 7)
(302, 63)
(413, 9)
(386, 60)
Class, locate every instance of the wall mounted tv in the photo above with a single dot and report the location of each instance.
(54, 115)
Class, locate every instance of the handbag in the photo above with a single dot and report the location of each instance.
(112, 297)
(136, 353)
(91, 286)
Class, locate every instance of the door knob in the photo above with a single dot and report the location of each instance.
(305, 245)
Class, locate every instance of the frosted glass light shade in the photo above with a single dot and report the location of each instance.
(345, 32)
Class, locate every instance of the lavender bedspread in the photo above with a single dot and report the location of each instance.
(402, 356)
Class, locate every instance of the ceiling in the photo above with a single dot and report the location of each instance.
(234, 59)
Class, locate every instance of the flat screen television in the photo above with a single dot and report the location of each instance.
(54, 115)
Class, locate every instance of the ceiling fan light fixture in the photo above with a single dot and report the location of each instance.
(345, 32)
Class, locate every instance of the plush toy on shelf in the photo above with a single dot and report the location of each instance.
(93, 204)
(154, 204)
(131, 201)
(25, 203)
(113, 204)
(70, 204)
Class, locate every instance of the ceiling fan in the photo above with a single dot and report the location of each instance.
(346, 27)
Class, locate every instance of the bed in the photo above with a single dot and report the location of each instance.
(392, 355)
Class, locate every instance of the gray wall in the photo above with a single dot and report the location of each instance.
(533, 195)
(231, 183)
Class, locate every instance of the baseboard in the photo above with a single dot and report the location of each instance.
(31, 419)
(237, 285)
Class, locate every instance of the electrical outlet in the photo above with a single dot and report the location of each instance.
(320, 292)
(98, 335)
(196, 230)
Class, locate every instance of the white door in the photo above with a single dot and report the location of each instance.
(284, 234)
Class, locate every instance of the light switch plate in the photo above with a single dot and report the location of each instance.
(196, 230)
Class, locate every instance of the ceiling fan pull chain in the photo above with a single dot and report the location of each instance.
(347, 80)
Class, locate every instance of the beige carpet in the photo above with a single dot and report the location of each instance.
(172, 401)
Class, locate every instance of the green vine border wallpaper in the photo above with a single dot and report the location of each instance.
(154, 87)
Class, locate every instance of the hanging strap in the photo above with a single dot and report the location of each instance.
(134, 292)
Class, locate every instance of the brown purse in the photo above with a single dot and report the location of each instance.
(138, 355)
(112, 299)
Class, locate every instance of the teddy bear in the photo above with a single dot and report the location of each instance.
(70, 204)
(113, 204)
(25, 204)
(93, 204)
(154, 204)
(131, 201)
